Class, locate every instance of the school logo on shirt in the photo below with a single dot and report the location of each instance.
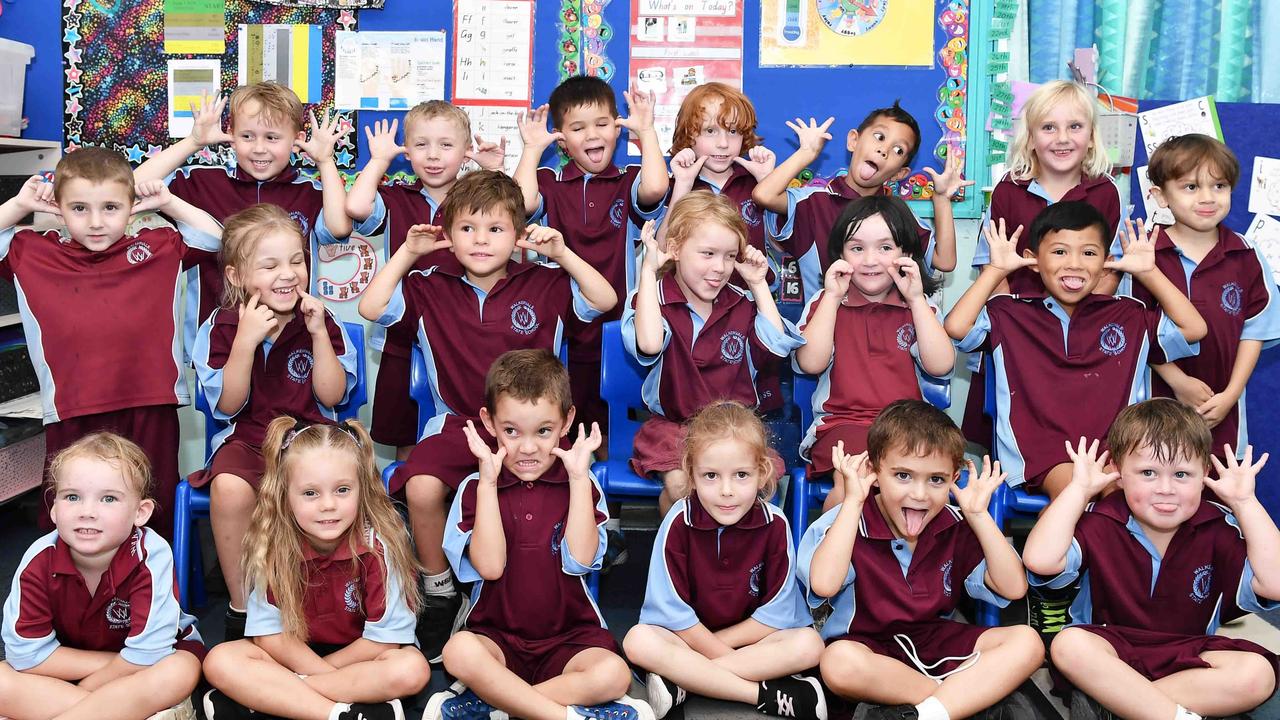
(946, 578)
(302, 221)
(750, 213)
(557, 534)
(1111, 340)
(753, 581)
(138, 252)
(524, 319)
(906, 336)
(299, 365)
(1232, 298)
(350, 596)
(1201, 583)
(118, 614)
(617, 212)
(733, 346)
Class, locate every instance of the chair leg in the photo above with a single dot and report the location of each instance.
(988, 614)
(182, 542)
(799, 505)
(195, 584)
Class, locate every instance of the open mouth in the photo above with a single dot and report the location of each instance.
(260, 164)
(87, 532)
(1072, 283)
(595, 154)
(867, 170)
(284, 291)
(1165, 508)
(913, 520)
(528, 464)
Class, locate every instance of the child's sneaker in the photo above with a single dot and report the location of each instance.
(441, 617)
(390, 710)
(892, 712)
(796, 696)
(663, 694)
(459, 703)
(220, 707)
(182, 711)
(1048, 610)
(624, 708)
(1084, 707)
(615, 551)
(233, 626)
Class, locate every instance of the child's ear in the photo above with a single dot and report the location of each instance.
(902, 174)
(1027, 253)
(1158, 195)
(300, 137)
(568, 423)
(487, 419)
(145, 508)
(851, 140)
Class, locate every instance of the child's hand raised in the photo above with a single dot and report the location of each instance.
(812, 136)
(654, 256)
(312, 311)
(759, 161)
(753, 267)
(1088, 469)
(1004, 249)
(1139, 250)
(382, 140)
(150, 195)
(950, 181)
(905, 272)
(257, 321)
(489, 155)
(1236, 481)
(543, 240)
(319, 145)
(207, 129)
(36, 195)
(838, 277)
(577, 459)
(685, 166)
(854, 471)
(975, 497)
(533, 129)
(490, 461)
(639, 111)
(426, 239)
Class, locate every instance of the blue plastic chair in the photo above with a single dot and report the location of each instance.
(620, 380)
(191, 503)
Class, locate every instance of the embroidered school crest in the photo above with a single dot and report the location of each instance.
(138, 252)
(1232, 298)
(753, 580)
(557, 534)
(617, 212)
(906, 336)
(1111, 340)
(302, 221)
(1201, 582)
(299, 365)
(946, 578)
(118, 614)
(524, 319)
(350, 599)
(733, 346)
(750, 212)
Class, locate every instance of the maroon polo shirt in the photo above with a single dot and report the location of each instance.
(1236, 298)
(103, 328)
(1086, 368)
(461, 334)
(134, 610)
(280, 380)
(537, 597)
(1019, 201)
(403, 206)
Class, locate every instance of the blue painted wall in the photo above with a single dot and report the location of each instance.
(39, 23)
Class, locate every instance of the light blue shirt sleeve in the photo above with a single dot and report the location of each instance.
(982, 250)
(581, 307)
(779, 342)
(976, 586)
(794, 196)
(629, 334)
(658, 211)
(568, 563)
(398, 622)
(24, 653)
(210, 378)
(931, 246)
(198, 239)
(263, 618)
(1172, 342)
(457, 541)
(1265, 325)
(1070, 572)
(786, 609)
(663, 606)
(1246, 597)
(395, 307)
(977, 334)
(813, 537)
(373, 223)
(155, 642)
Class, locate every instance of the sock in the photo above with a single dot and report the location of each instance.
(1185, 714)
(441, 584)
(613, 523)
(338, 709)
(234, 611)
(932, 709)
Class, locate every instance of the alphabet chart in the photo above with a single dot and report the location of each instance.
(493, 52)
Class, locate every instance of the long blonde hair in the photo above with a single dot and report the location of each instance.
(273, 545)
(1023, 164)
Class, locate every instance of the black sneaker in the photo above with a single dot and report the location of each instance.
(391, 710)
(441, 615)
(1048, 611)
(1084, 707)
(217, 704)
(234, 625)
(796, 696)
(615, 552)
(663, 694)
(891, 712)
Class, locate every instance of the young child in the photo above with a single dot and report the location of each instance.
(1160, 569)
(332, 588)
(267, 121)
(270, 350)
(92, 627)
(1226, 278)
(716, 148)
(96, 286)
(525, 530)
(870, 334)
(703, 338)
(597, 206)
(888, 562)
(723, 616)
(880, 151)
(467, 309)
(1072, 343)
(437, 142)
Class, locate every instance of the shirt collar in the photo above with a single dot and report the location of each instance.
(340, 553)
(670, 293)
(1228, 241)
(1115, 507)
(449, 265)
(127, 557)
(571, 171)
(288, 175)
(839, 185)
(875, 526)
(697, 517)
(853, 298)
(736, 172)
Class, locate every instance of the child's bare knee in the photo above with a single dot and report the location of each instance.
(178, 673)
(1255, 680)
(806, 645)
(841, 666)
(676, 483)
(231, 494)
(640, 644)
(425, 492)
(407, 672)
(1069, 646)
(463, 654)
(612, 676)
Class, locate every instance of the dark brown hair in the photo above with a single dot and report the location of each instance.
(95, 164)
(1182, 155)
(1171, 429)
(528, 376)
(483, 191)
(917, 428)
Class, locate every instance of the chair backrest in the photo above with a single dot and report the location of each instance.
(620, 380)
(802, 391)
(420, 387)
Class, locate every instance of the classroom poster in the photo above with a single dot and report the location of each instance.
(493, 52)
(846, 32)
(194, 27)
(388, 70)
(677, 45)
(288, 54)
(189, 81)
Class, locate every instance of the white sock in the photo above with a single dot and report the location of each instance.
(932, 709)
(338, 709)
(235, 609)
(441, 584)
(613, 523)
(1185, 714)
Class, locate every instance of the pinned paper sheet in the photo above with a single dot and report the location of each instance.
(1155, 214)
(188, 81)
(1264, 189)
(1264, 233)
(194, 27)
(288, 54)
(388, 70)
(491, 124)
(493, 52)
(1192, 116)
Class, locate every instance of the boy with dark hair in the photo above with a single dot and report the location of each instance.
(525, 530)
(880, 151)
(1160, 569)
(889, 562)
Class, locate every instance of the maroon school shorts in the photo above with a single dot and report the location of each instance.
(443, 454)
(659, 448)
(395, 414)
(233, 457)
(194, 647)
(537, 661)
(945, 642)
(154, 428)
(855, 441)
